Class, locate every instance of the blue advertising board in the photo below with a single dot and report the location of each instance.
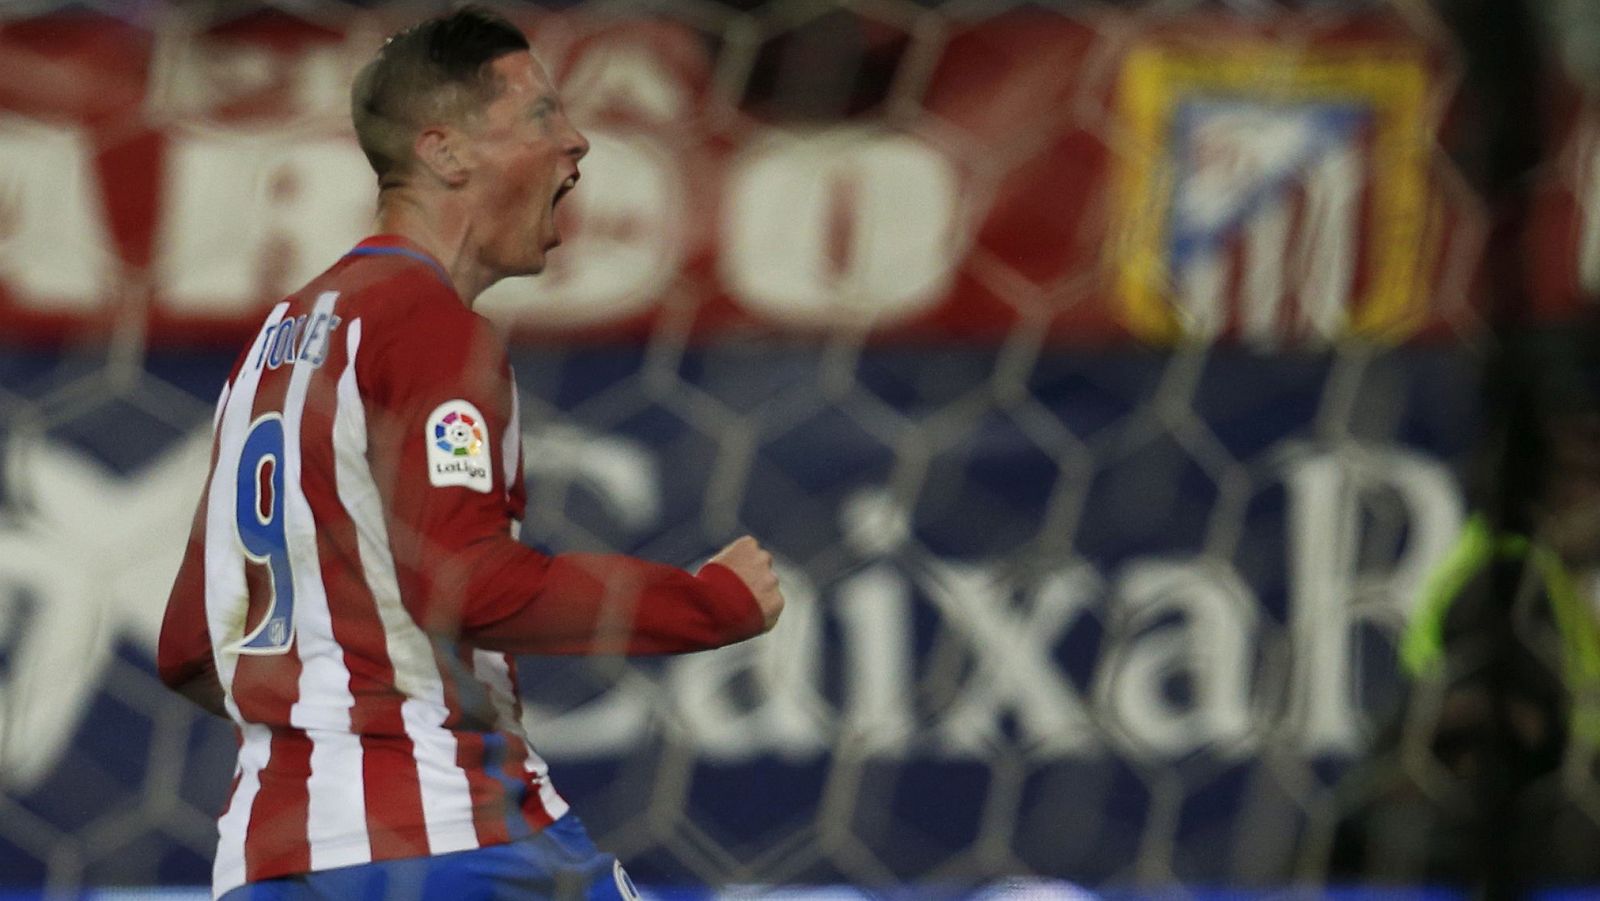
(1107, 617)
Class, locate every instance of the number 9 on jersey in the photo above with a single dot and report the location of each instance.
(258, 515)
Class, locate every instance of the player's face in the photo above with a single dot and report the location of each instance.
(527, 153)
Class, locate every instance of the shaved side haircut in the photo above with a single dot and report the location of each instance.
(435, 71)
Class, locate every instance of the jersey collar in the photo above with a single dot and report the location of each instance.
(394, 245)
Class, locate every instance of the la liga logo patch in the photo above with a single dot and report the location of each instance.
(458, 435)
(458, 455)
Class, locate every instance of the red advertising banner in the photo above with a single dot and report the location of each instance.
(1099, 178)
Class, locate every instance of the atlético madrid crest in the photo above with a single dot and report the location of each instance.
(458, 455)
(1275, 193)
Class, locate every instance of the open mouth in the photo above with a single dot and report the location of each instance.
(568, 185)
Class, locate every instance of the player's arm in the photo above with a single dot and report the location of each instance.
(183, 655)
(461, 571)
(598, 603)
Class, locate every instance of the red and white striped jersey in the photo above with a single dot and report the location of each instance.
(354, 583)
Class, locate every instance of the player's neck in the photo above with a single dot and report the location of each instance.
(446, 237)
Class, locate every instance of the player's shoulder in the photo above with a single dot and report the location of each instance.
(402, 299)
(411, 320)
(389, 288)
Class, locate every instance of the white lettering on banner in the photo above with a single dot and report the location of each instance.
(1331, 593)
(788, 715)
(609, 724)
(620, 474)
(193, 76)
(847, 226)
(625, 75)
(190, 76)
(1162, 620)
(1016, 670)
(1165, 619)
(249, 215)
(55, 252)
(873, 607)
(51, 611)
(322, 77)
(853, 226)
(627, 248)
(88, 563)
(1213, 643)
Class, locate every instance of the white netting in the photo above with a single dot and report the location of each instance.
(1061, 604)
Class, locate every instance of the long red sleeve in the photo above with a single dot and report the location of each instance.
(183, 652)
(607, 603)
(461, 571)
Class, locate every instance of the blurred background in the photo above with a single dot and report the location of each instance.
(1178, 423)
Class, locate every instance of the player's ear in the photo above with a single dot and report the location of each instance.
(440, 150)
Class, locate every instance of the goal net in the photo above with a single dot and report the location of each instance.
(1106, 379)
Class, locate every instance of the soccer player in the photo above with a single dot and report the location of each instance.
(353, 586)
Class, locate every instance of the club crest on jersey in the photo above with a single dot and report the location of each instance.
(458, 455)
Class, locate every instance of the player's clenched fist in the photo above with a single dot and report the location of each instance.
(753, 564)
